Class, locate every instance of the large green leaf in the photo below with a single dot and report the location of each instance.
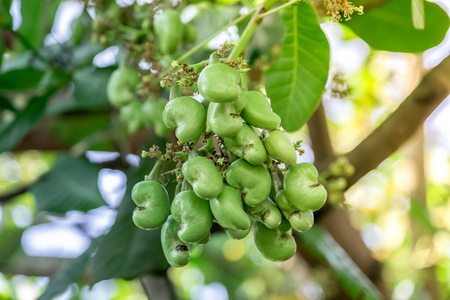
(127, 251)
(5, 103)
(296, 81)
(12, 133)
(5, 16)
(389, 26)
(37, 20)
(321, 244)
(71, 273)
(90, 86)
(20, 79)
(93, 129)
(70, 185)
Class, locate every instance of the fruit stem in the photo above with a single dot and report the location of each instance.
(174, 92)
(186, 186)
(250, 29)
(244, 83)
(206, 41)
(156, 171)
(272, 11)
(207, 148)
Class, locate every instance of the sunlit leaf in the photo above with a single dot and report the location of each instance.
(418, 14)
(389, 26)
(296, 81)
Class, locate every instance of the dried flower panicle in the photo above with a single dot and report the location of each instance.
(338, 8)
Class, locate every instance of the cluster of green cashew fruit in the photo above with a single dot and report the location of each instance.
(257, 183)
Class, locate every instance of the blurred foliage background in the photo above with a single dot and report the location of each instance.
(67, 163)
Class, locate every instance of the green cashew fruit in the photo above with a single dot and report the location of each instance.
(247, 145)
(274, 244)
(204, 239)
(302, 188)
(228, 210)
(279, 147)
(152, 112)
(153, 205)
(267, 213)
(120, 87)
(190, 33)
(188, 116)
(202, 174)
(240, 103)
(258, 112)
(223, 119)
(176, 252)
(169, 31)
(130, 114)
(219, 82)
(300, 220)
(193, 214)
(236, 234)
(253, 181)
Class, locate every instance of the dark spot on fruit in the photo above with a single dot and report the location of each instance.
(294, 213)
(315, 185)
(181, 248)
(140, 208)
(246, 147)
(235, 115)
(265, 215)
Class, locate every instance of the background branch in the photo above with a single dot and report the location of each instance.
(401, 125)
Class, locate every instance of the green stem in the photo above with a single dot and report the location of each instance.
(207, 148)
(156, 171)
(186, 186)
(193, 153)
(206, 41)
(250, 29)
(174, 91)
(178, 188)
(272, 11)
(244, 82)
(183, 156)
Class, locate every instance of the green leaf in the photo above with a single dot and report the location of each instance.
(6, 104)
(70, 185)
(20, 79)
(127, 251)
(296, 81)
(71, 273)
(389, 26)
(12, 133)
(90, 86)
(420, 215)
(2, 47)
(5, 16)
(418, 14)
(92, 128)
(322, 245)
(37, 20)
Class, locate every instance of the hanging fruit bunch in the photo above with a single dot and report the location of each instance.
(244, 175)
